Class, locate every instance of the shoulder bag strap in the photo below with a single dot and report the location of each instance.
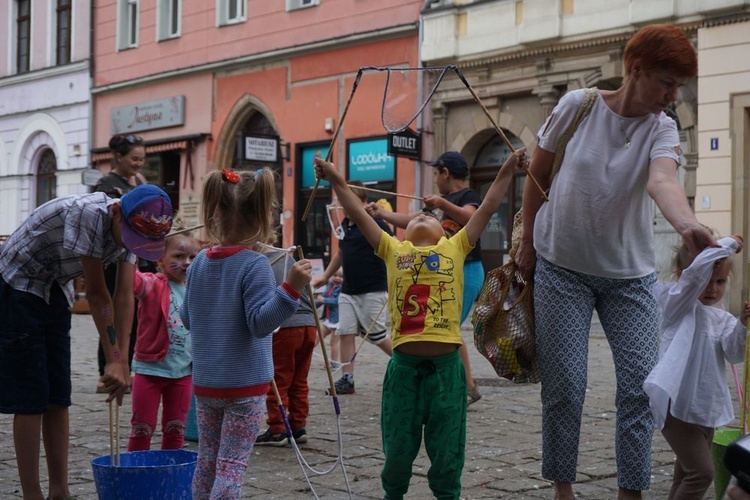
(583, 111)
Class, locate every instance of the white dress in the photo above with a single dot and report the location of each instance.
(695, 341)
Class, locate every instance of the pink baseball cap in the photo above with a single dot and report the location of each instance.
(146, 221)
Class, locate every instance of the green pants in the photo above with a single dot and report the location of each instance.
(424, 394)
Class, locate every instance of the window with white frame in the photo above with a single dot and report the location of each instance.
(63, 20)
(23, 36)
(230, 12)
(169, 19)
(127, 24)
(300, 4)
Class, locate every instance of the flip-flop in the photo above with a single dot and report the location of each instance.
(473, 395)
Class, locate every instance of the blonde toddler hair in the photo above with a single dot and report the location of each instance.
(242, 212)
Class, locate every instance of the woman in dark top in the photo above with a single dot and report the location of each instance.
(128, 155)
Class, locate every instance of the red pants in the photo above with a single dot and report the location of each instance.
(292, 354)
(148, 390)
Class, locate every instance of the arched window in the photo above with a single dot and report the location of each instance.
(46, 177)
(495, 239)
(258, 125)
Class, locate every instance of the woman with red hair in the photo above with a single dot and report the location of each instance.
(591, 248)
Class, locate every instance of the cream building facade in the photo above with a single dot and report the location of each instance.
(45, 104)
(521, 56)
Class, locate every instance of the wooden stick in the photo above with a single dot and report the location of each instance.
(117, 433)
(746, 377)
(111, 436)
(332, 386)
(186, 230)
(114, 434)
(333, 141)
(278, 258)
(497, 128)
(386, 192)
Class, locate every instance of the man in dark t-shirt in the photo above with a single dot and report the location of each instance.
(363, 295)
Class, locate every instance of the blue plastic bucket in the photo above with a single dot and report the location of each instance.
(191, 425)
(144, 475)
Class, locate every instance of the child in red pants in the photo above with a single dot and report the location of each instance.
(293, 346)
(162, 362)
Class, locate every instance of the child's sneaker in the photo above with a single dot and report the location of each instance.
(270, 439)
(300, 435)
(343, 386)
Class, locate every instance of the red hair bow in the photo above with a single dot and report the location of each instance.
(230, 176)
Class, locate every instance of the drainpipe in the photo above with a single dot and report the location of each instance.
(92, 13)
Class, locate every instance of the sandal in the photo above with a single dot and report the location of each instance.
(473, 395)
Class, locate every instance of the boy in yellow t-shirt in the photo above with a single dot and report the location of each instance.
(424, 389)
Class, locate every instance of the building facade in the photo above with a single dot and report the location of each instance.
(722, 197)
(522, 56)
(250, 83)
(44, 103)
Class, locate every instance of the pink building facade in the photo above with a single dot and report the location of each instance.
(251, 83)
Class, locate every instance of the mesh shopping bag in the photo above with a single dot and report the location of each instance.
(504, 330)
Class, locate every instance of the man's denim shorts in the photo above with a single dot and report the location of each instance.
(34, 351)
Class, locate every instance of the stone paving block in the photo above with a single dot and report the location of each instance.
(503, 454)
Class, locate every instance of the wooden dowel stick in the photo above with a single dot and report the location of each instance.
(386, 192)
(333, 141)
(498, 129)
(186, 230)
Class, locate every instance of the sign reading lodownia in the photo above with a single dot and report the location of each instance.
(162, 113)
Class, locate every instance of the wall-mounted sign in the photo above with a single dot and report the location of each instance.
(369, 160)
(714, 143)
(307, 155)
(406, 143)
(90, 176)
(262, 148)
(162, 113)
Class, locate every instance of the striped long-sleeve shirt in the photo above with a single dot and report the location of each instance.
(231, 307)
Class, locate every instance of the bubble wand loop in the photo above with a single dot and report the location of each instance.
(333, 141)
(367, 333)
(496, 127)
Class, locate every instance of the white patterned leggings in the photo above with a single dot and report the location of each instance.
(227, 429)
(564, 302)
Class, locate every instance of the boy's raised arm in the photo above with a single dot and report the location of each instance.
(353, 206)
(517, 162)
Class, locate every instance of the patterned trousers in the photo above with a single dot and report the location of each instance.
(564, 302)
(227, 429)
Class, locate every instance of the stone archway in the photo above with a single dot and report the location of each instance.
(249, 116)
(37, 131)
(243, 110)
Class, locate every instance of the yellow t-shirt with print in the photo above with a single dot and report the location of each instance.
(425, 288)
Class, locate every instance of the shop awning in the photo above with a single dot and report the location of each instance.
(154, 146)
(169, 146)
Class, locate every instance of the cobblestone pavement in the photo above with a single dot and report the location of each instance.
(503, 452)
